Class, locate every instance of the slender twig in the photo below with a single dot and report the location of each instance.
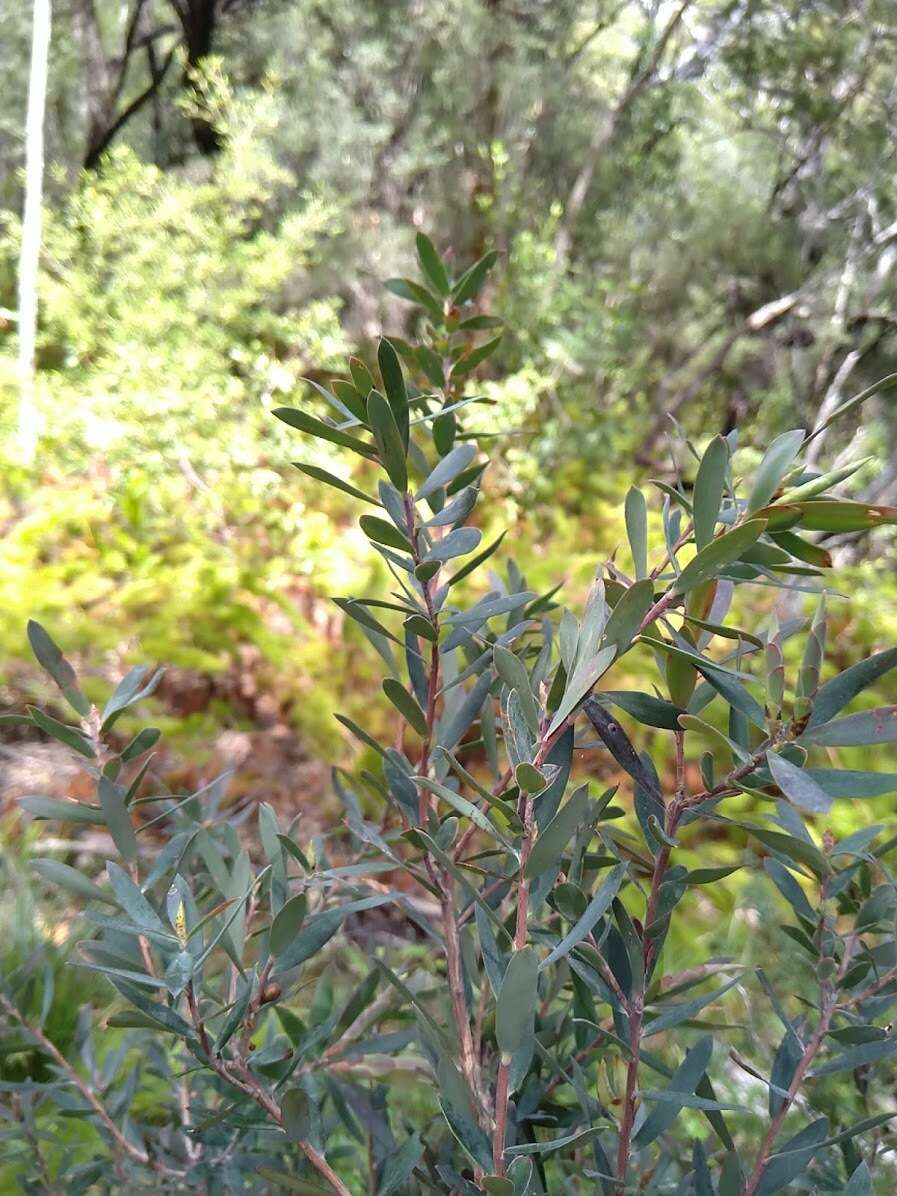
(128, 1148)
(469, 1065)
(239, 1075)
(874, 989)
(525, 809)
(637, 1001)
(630, 1099)
(828, 1002)
(810, 1053)
(450, 926)
(728, 784)
(501, 1117)
(680, 765)
(607, 975)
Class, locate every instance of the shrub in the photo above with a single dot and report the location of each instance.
(545, 1019)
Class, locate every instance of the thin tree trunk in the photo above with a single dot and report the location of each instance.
(604, 133)
(199, 19)
(29, 256)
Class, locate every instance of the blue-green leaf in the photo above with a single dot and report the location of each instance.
(798, 786)
(516, 1005)
(856, 730)
(859, 1056)
(835, 694)
(118, 819)
(399, 1165)
(794, 1157)
(599, 904)
(447, 468)
(777, 461)
(710, 483)
(431, 264)
(636, 515)
(674, 1015)
(682, 1085)
(51, 659)
(718, 555)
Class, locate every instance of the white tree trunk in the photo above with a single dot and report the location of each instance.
(31, 225)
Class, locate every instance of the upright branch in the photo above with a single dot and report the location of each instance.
(493, 840)
(121, 1143)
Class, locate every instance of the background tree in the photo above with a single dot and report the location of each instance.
(29, 256)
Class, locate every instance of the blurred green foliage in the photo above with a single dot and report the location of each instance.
(652, 180)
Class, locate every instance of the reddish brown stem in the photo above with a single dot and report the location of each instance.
(127, 1148)
(238, 1075)
(660, 607)
(432, 691)
(810, 1053)
(874, 989)
(469, 1066)
(637, 1002)
(520, 930)
(630, 1100)
(501, 1117)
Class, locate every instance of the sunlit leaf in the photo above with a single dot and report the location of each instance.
(713, 560)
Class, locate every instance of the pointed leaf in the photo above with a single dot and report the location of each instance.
(394, 385)
(549, 846)
(431, 264)
(516, 1006)
(858, 1056)
(794, 1157)
(316, 427)
(471, 280)
(596, 908)
(636, 514)
(627, 615)
(390, 446)
(777, 461)
(330, 479)
(710, 483)
(585, 676)
(118, 819)
(856, 730)
(65, 811)
(406, 288)
(453, 463)
(382, 532)
(513, 672)
(860, 1183)
(62, 732)
(457, 543)
(617, 742)
(682, 1085)
(71, 879)
(835, 694)
(674, 1015)
(288, 923)
(400, 1164)
(711, 561)
(406, 705)
(50, 658)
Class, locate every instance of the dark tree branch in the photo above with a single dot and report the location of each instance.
(760, 320)
(605, 131)
(99, 147)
